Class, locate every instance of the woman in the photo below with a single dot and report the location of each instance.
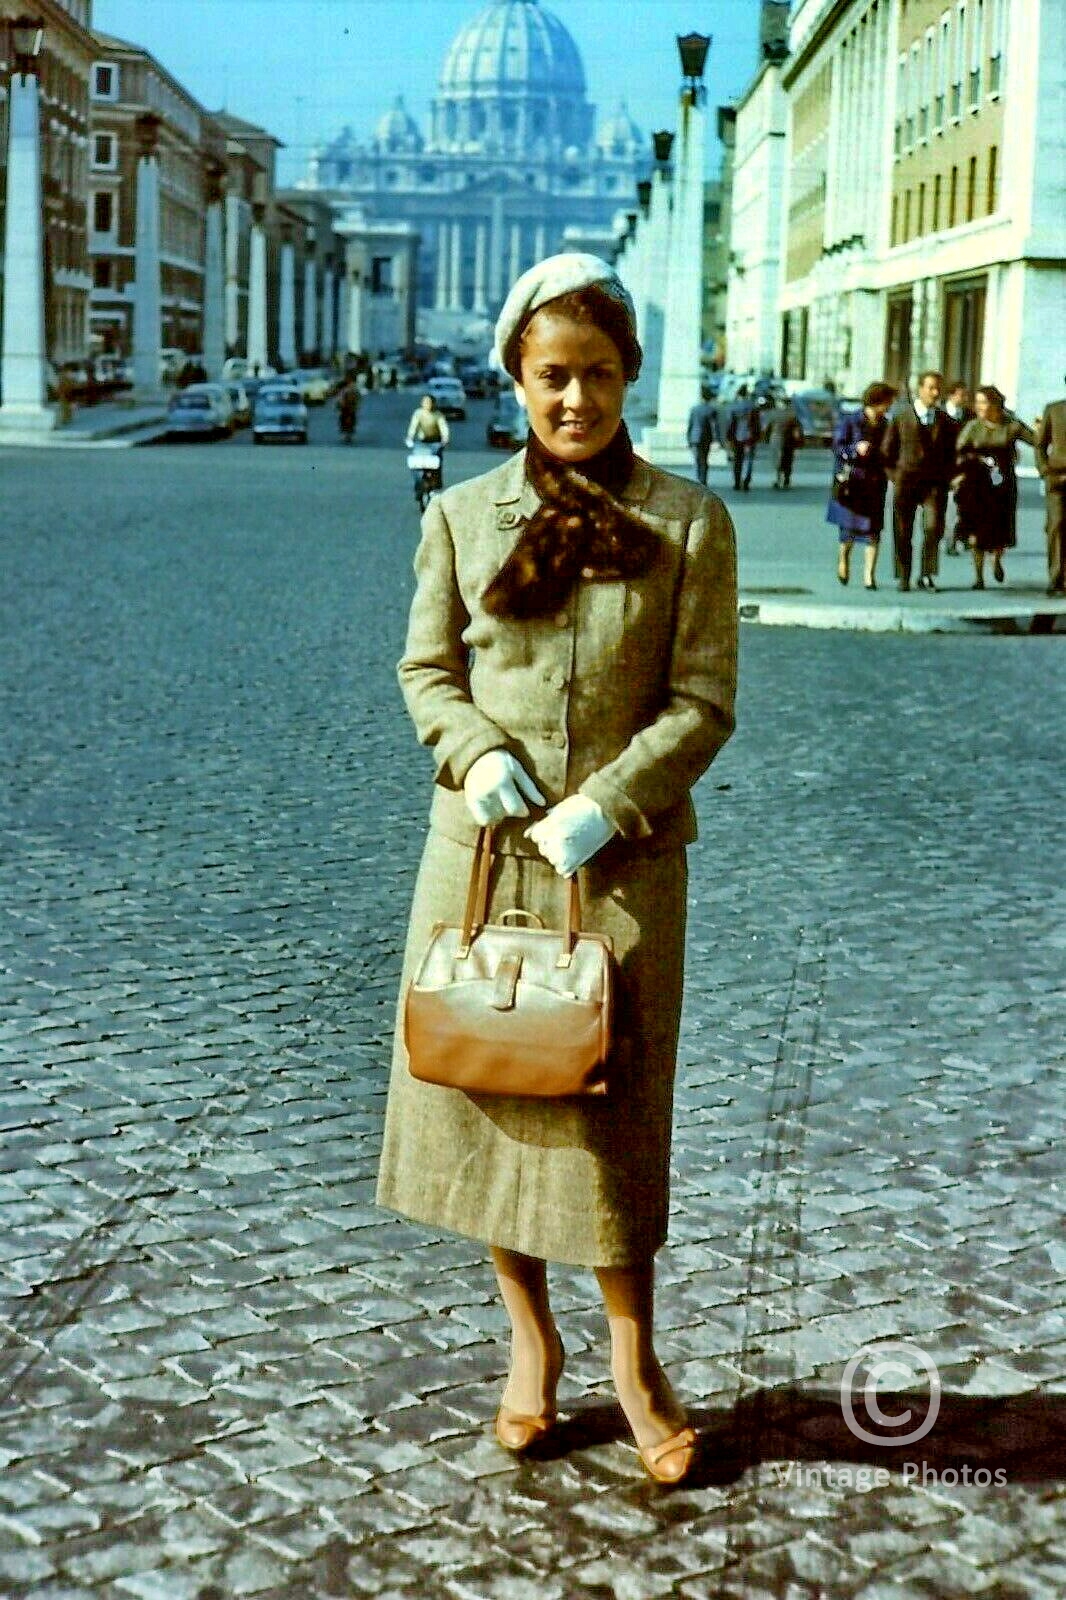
(786, 437)
(598, 596)
(986, 487)
(857, 506)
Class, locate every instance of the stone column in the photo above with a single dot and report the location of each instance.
(214, 329)
(455, 297)
(643, 398)
(481, 261)
(23, 371)
(233, 272)
(496, 292)
(344, 309)
(287, 302)
(356, 320)
(329, 311)
(440, 299)
(516, 251)
(147, 275)
(540, 247)
(258, 352)
(310, 329)
(679, 380)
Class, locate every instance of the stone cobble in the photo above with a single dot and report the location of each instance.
(223, 1371)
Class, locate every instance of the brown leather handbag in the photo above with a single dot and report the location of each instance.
(499, 1009)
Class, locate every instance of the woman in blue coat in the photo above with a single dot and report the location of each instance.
(857, 504)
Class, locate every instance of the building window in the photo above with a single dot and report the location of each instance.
(914, 94)
(906, 216)
(105, 81)
(104, 150)
(942, 72)
(995, 65)
(971, 190)
(101, 274)
(993, 178)
(895, 219)
(977, 53)
(958, 66)
(921, 210)
(103, 212)
(936, 202)
(953, 198)
(927, 83)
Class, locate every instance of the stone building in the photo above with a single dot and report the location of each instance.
(512, 158)
(64, 67)
(924, 222)
(126, 83)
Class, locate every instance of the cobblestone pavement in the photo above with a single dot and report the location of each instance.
(225, 1372)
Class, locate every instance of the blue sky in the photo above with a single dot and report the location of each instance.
(304, 68)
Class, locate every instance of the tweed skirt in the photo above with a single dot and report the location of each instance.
(584, 1180)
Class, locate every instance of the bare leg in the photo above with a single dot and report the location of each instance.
(870, 562)
(844, 561)
(536, 1359)
(979, 568)
(652, 1409)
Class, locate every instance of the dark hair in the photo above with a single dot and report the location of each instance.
(878, 394)
(742, 391)
(593, 305)
(931, 373)
(957, 383)
(991, 393)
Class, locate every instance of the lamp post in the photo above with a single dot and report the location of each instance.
(679, 380)
(147, 274)
(24, 354)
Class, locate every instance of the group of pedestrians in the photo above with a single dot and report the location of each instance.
(930, 452)
(744, 432)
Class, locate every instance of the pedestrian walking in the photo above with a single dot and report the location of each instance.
(1051, 462)
(702, 431)
(596, 596)
(919, 455)
(743, 431)
(960, 410)
(986, 484)
(786, 437)
(348, 408)
(857, 504)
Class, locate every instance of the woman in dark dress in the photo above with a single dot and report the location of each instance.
(857, 505)
(986, 485)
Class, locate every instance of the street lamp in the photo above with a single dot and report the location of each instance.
(663, 142)
(693, 48)
(27, 34)
(644, 194)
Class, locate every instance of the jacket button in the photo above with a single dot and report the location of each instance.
(557, 679)
(558, 739)
(506, 519)
(563, 620)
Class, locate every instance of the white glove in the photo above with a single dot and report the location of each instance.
(571, 833)
(494, 788)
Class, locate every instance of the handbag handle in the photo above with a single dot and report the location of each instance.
(475, 913)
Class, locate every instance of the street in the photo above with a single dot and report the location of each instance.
(224, 1371)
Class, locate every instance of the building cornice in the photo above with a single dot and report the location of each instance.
(822, 30)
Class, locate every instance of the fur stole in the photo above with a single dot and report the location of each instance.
(580, 529)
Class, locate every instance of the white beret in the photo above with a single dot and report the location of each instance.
(547, 280)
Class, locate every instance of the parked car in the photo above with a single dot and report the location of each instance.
(508, 425)
(474, 379)
(240, 367)
(202, 410)
(279, 412)
(817, 411)
(449, 395)
(241, 403)
(318, 385)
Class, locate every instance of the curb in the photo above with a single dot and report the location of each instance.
(897, 619)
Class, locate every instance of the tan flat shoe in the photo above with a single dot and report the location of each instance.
(656, 1457)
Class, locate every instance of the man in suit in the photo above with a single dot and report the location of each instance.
(1051, 461)
(743, 432)
(919, 455)
(960, 410)
(702, 431)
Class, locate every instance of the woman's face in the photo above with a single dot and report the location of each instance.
(877, 412)
(573, 385)
(986, 408)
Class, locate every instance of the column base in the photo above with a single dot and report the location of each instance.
(29, 421)
(665, 447)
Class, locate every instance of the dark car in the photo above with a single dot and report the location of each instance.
(508, 425)
(817, 411)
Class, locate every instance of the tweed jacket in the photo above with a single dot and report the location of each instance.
(626, 694)
(1051, 445)
(912, 453)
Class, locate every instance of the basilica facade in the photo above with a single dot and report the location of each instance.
(511, 165)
